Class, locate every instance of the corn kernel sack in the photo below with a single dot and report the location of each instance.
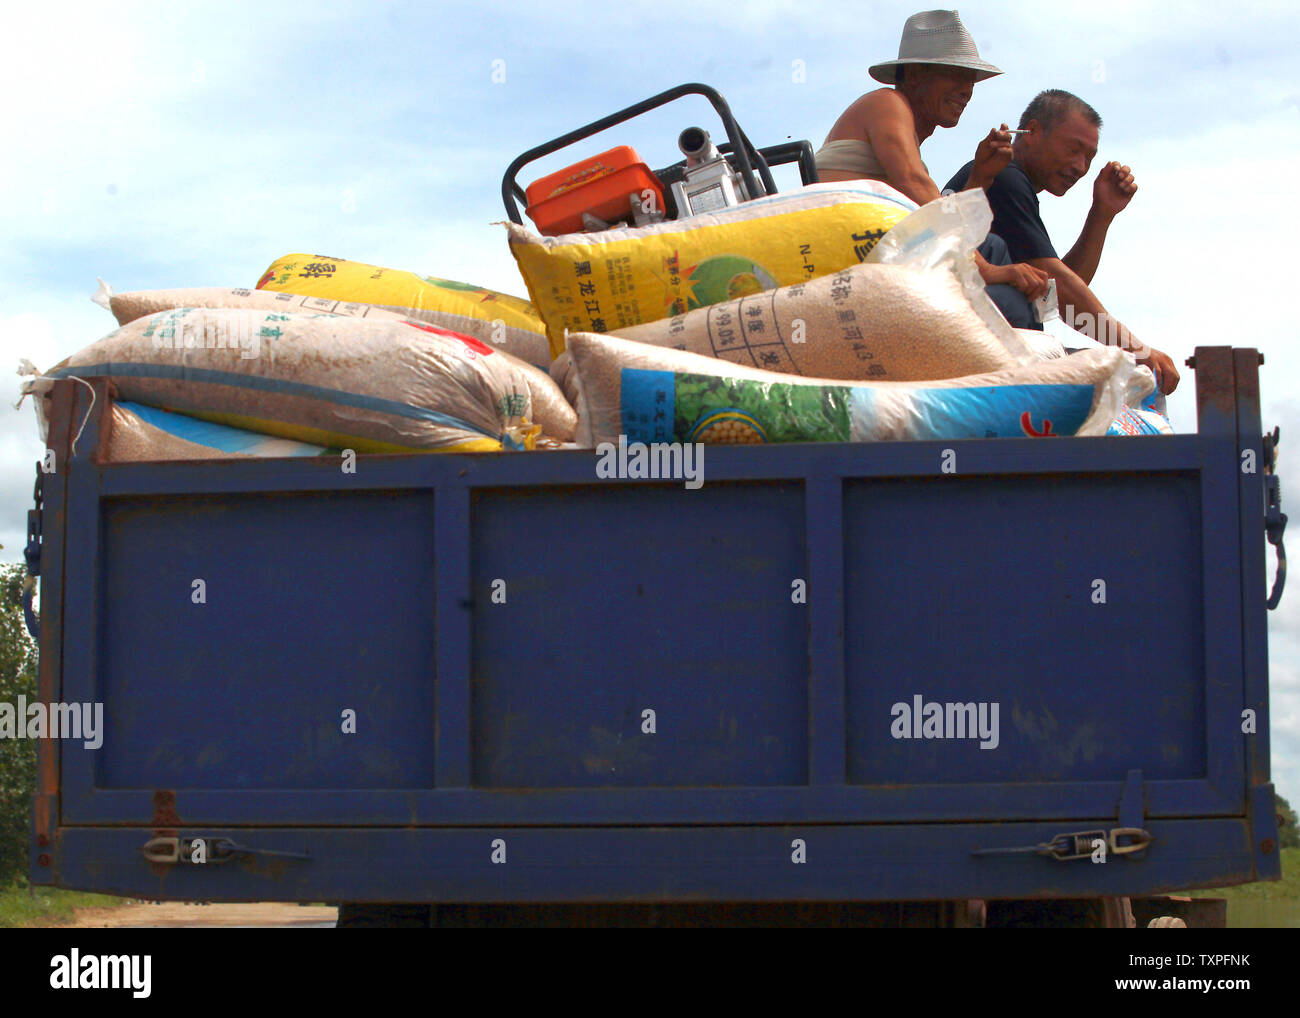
(875, 322)
(131, 439)
(650, 394)
(615, 279)
(142, 432)
(499, 319)
(372, 386)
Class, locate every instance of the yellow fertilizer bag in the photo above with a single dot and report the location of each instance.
(615, 279)
(506, 322)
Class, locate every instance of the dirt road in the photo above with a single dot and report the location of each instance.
(179, 914)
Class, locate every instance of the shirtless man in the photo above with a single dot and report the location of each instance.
(879, 136)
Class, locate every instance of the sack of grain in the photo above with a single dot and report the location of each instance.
(143, 433)
(565, 377)
(944, 234)
(130, 439)
(372, 386)
(876, 322)
(1043, 345)
(652, 394)
(601, 282)
(127, 307)
(498, 319)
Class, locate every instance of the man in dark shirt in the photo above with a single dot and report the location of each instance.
(1055, 151)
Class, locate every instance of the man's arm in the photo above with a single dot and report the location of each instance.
(1076, 299)
(891, 132)
(1084, 257)
(1111, 193)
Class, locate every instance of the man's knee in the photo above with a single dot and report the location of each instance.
(1014, 305)
(995, 250)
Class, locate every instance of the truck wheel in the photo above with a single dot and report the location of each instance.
(371, 916)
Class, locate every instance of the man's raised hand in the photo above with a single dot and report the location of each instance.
(1114, 188)
(992, 156)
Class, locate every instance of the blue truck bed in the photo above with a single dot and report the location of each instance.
(500, 625)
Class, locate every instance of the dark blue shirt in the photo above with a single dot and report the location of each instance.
(1015, 212)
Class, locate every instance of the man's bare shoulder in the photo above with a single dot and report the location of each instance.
(882, 105)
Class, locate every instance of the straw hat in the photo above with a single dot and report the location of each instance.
(935, 37)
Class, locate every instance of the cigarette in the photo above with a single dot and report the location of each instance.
(1020, 132)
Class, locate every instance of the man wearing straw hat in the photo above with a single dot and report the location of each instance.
(879, 137)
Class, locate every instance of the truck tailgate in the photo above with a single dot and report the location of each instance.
(498, 678)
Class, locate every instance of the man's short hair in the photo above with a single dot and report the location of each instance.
(1053, 105)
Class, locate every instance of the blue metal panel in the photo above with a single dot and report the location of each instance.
(706, 863)
(793, 462)
(825, 513)
(1221, 612)
(583, 621)
(301, 621)
(82, 617)
(819, 805)
(1252, 549)
(513, 649)
(453, 686)
(986, 589)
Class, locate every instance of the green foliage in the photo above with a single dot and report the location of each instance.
(1288, 833)
(22, 906)
(17, 756)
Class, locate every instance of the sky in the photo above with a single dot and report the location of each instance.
(162, 145)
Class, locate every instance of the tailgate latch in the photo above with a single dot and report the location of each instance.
(210, 851)
(1081, 844)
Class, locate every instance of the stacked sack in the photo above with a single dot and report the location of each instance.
(327, 355)
(910, 327)
(837, 312)
(498, 319)
(368, 384)
(615, 279)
